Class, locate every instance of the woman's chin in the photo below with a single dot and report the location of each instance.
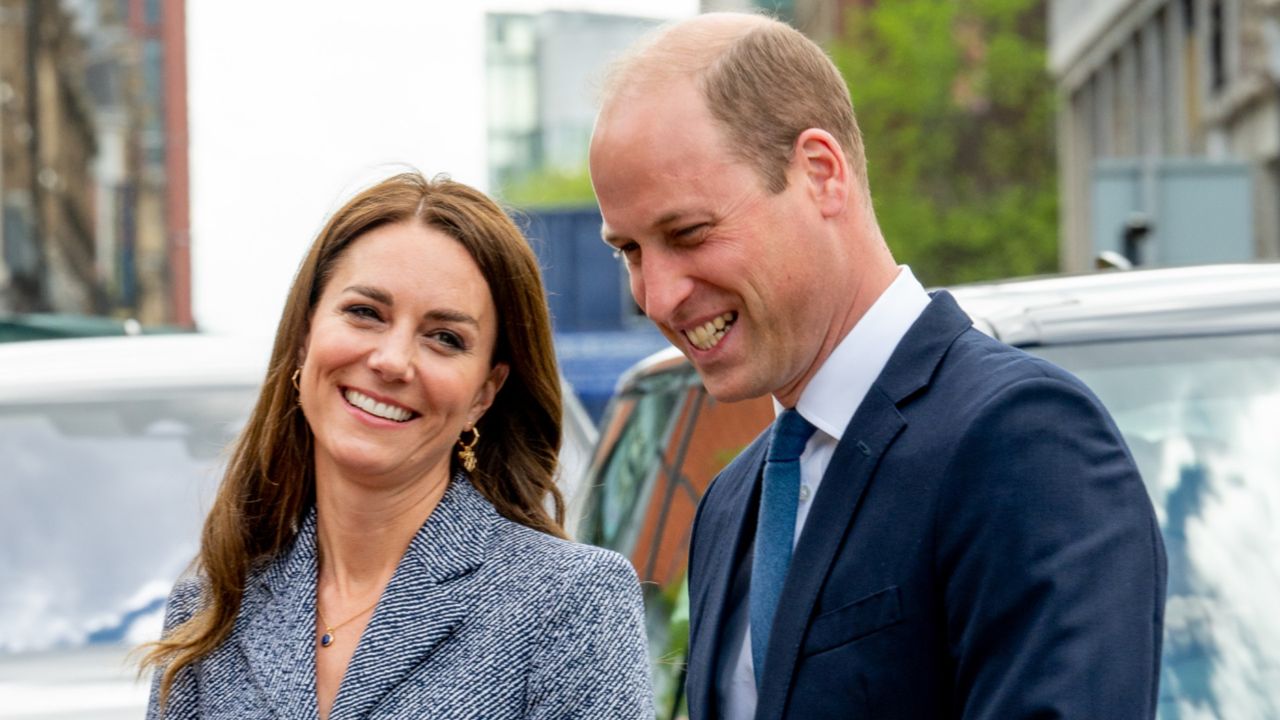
(378, 465)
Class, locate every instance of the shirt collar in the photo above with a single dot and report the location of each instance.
(837, 389)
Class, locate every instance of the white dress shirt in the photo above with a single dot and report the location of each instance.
(828, 402)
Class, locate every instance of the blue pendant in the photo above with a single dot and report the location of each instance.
(326, 640)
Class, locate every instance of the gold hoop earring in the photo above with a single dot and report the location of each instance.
(296, 374)
(466, 451)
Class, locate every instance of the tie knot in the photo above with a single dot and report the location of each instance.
(790, 434)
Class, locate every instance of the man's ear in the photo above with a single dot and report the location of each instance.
(488, 391)
(821, 165)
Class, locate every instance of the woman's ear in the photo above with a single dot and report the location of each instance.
(488, 391)
(302, 348)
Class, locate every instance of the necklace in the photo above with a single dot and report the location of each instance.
(328, 637)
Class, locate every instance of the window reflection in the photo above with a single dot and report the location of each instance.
(1201, 417)
(103, 506)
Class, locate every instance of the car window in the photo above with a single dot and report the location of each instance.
(662, 442)
(1201, 417)
(102, 505)
(643, 419)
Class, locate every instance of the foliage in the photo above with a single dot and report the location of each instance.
(957, 111)
(551, 188)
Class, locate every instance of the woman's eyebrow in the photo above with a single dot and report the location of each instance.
(452, 316)
(441, 315)
(373, 293)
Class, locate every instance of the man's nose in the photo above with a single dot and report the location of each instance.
(660, 285)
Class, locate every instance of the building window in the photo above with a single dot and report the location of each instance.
(1217, 47)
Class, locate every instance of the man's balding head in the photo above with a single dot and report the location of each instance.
(763, 81)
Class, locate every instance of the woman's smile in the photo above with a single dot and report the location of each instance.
(378, 408)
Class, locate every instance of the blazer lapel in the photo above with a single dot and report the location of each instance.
(276, 628)
(871, 432)
(418, 610)
(721, 534)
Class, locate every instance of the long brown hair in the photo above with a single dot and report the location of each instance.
(269, 484)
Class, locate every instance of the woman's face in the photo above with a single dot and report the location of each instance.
(398, 356)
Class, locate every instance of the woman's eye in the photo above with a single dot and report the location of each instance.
(363, 312)
(450, 339)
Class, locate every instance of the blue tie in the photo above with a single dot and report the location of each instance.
(775, 529)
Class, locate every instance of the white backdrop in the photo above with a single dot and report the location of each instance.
(295, 105)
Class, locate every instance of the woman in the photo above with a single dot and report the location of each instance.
(381, 544)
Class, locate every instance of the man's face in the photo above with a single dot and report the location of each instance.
(732, 274)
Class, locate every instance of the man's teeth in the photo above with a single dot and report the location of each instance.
(709, 334)
(373, 407)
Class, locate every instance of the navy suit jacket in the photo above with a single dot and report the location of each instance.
(483, 618)
(981, 546)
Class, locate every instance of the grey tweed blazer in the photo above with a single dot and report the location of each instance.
(483, 618)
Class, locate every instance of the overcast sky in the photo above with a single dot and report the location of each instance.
(295, 105)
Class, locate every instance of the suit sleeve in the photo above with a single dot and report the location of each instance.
(593, 659)
(1052, 562)
(184, 694)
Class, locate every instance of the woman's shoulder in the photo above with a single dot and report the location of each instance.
(185, 599)
(570, 562)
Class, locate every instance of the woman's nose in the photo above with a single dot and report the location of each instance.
(392, 357)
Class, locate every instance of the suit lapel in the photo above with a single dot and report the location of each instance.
(276, 628)
(721, 537)
(871, 433)
(418, 610)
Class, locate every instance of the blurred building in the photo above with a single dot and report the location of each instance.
(93, 173)
(543, 76)
(1169, 129)
(47, 145)
(543, 72)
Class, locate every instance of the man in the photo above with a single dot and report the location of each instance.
(964, 534)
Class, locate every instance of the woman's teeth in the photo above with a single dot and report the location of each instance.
(709, 334)
(373, 407)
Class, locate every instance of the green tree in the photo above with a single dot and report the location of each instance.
(551, 188)
(957, 111)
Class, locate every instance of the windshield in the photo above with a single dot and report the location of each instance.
(1201, 417)
(102, 504)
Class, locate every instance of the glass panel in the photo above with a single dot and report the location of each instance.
(647, 415)
(103, 504)
(1200, 416)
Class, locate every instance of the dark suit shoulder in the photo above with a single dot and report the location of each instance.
(977, 368)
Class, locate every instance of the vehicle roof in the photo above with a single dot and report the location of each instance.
(1135, 304)
(665, 360)
(89, 368)
(1169, 302)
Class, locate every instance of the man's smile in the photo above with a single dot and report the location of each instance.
(710, 333)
